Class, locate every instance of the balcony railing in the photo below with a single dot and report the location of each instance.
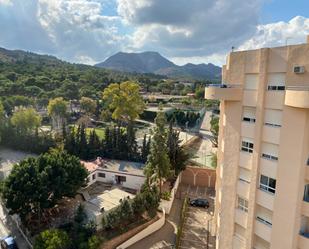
(297, 96)
(304, 233)
(223, 85)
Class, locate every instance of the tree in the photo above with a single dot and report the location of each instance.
(214, 160)
(124, 100)
(57, 109)
(88, 105)
(158, 164)
(26, 120)
(52, 239)
(42, 182)
(214, 129)
(177, 154)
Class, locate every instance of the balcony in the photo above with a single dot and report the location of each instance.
(263, 230)
(307, 172)
(243, 189)
(297, 96)
(241, 217)
(265, 199)
(303, 239)
(231, 92)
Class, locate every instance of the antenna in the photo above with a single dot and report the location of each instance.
(287, 39)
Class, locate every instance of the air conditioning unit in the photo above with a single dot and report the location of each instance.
(299, 69)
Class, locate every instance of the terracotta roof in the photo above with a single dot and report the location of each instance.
(90, 166)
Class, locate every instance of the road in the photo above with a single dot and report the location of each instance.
(8, 227)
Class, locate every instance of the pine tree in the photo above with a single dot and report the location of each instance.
(94, 145)
(83, 143)
(177, 154)
(158, 163)
(131, 142)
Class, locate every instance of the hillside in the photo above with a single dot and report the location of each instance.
(153, 62)
(38, 78)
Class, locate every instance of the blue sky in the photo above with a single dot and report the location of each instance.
(197, 31)
(283, 10)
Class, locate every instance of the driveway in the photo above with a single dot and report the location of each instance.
(199, 224)
(166, 236)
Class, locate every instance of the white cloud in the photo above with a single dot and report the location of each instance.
(196, 31)
(279, 34)
(190, 28)
(5, 2)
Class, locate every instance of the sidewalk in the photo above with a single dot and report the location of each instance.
(166, 236)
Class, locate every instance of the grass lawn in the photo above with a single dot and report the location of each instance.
(100, 131)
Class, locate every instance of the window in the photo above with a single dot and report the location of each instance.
(270, 151)
(269, 157)
(244, 175)
(251, 81)
(93, 177)
(242, 204)
(101, 175)
(306, 193)
(248, 115)
(273, 118)
(276, 82)
(275, 88)
(266, 222)
(247, 146)
(268, 184)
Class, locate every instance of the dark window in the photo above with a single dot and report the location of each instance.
(101, 175)
(269, 157)
(268, 184)
(275, 88)
(250, 120)
(93, 176)
(247, 146)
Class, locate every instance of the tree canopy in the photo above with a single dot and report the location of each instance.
(26, 120)
(52, 239)
(124, 100)
(158, 164)
(38, 183)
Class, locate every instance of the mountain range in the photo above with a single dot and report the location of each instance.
(153, 62)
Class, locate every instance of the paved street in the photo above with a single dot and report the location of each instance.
(8, 227)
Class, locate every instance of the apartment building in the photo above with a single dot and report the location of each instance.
(262, 186)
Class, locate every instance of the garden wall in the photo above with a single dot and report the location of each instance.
(167, 205)
(196, 176)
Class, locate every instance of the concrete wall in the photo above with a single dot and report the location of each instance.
(132, 181)
(196, 176)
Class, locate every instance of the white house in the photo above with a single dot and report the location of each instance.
(127, 174)
(98, 206)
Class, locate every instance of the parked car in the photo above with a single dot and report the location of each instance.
(199, 203)
(8, 242)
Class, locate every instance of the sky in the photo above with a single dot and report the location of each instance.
(184, 31)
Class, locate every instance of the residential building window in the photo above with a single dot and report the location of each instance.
(272, 125)
(269, 157)
(268, 184)
(247, 146)
(273, 118)
(275, 88)
(248, 114)
(306, 193)
(93, 177)
(266, 222)
(249, 120)
(101, 175)
(242, 204)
